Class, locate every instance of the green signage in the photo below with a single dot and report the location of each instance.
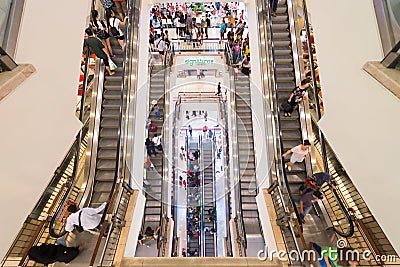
(199, 61)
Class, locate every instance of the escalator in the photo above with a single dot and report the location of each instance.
(194, 204)
(108, 131)
(248, 183)
(208, 197)
(285, 79)
(154, 176)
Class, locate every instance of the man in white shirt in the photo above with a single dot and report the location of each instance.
(299, 153)
(157, 142)
(90, 219)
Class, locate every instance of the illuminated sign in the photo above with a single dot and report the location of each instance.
(199, 61)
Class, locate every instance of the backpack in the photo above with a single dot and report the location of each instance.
(113, 30)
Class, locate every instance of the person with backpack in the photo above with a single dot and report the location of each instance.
(100, 29)
(85, 218)
(113, 24)
(98, 49)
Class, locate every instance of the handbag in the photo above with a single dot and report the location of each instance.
(102, 34)
(112, 64)
(79, 227)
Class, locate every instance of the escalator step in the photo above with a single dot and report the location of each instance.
(108, 143)
(106, 164)
(107, 154)
(103, 187)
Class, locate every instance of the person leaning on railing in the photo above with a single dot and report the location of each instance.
(87, 218)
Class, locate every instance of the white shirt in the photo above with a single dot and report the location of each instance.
(114, 22)
(157, 140)
(299, 153)
(160, 44)
(89, 218)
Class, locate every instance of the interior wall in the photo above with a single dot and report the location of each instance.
(361, 116)
(38, 119)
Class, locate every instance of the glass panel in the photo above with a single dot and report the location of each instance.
(4, 17)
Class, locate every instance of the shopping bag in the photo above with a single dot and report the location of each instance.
(112, 64)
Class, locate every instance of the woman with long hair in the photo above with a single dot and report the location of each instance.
(100, 29)
(114, 24)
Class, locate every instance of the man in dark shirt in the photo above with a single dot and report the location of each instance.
(207, 24)
(321, 177)
(98, 49)
(306, 201)
(231, 37)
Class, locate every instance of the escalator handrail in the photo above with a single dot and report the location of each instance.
(277, 108)
(202, 233)
(117, 176)
(77, 146)
(350, 230)
(227, 194)
(214, 196)
(127, 35)
(237, 187)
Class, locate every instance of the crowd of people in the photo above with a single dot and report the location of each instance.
(192, 22)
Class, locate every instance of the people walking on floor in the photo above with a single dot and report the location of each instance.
(190, 130)
(98, 49)
(219, 89)
(160, 44)
(210, 134)
(150, 147)
(299, 153)
(85, 218)
(222, 30)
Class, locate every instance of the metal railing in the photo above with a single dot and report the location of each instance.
(224, 116)
(367, 234)
(392, 59)
(6, 62)
(44, 214)
(117, 187)
(238, 214)
(118, 221)
(208, 46)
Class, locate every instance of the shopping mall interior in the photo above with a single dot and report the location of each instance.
(155, 133)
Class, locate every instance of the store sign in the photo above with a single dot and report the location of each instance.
(199, 61)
